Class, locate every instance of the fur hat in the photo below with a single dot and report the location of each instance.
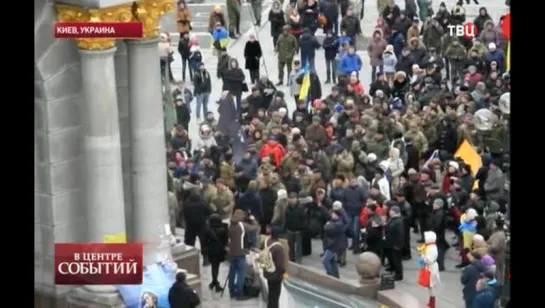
(337, 205)
(282, 194)
(371, 157)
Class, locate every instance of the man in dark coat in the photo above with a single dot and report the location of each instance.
(196, 213)
(181, 295)
(308, 44)
(250, 202)
(252, 55)
(216, 242)
(334, 229)
(294, 217)
(233, 81)
(227, 122)
(437, 224)
(268, 200)
(267, 91)
(413, 156)
(394, 242)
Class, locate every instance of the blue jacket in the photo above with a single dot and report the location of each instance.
(498, 56)
(470, 275)
(485, 298)
(219, 34)
(334, 231)
(250, 202)
(350, 63)
(337, 194)
(354, 199)
(250, 167)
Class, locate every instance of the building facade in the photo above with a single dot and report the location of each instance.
(100, 165)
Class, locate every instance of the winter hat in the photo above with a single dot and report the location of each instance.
(337, 205)
(454, 165)
(282, 111)
(478, 238)
(412, 171)
(389, 48)
(439, 202)
(295, 131)
(487, 260)
(442, 4)
(339, 108)
(492, 46)
(282, 194)
(371, 157)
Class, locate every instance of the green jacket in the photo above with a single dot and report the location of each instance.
(287, 47)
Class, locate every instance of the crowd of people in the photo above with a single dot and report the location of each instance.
(363, 170)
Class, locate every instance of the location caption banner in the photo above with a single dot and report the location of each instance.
(98, 263)
(116, 30)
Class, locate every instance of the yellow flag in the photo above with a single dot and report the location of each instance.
(471, 157)
(305, 87)
(508, 57)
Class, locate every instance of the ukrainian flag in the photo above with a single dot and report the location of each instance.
(304, 93)
(508, 57)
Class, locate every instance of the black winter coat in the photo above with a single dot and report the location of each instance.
(195, 211)
(268, 200)
(294, 218)
(308, 44)
(437, 224)
(395, 233)
(216, 239)
(250, 202)
(278, 21)
(252, 54)
(232, 80)
(181, 295)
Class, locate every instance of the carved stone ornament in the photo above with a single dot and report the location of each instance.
(149, 12)
(118, 13)
(368, 266)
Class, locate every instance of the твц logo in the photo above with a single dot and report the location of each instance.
(467, 30)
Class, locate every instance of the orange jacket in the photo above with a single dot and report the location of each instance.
(276, 149)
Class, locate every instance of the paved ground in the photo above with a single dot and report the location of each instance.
(449, 293)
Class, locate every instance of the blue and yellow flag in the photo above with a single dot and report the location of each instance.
(305, 87)
(508, 57)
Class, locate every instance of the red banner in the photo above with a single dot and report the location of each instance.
(98, 263)
(117, 30)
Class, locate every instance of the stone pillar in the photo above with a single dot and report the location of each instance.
(103, 177)
(149, 184)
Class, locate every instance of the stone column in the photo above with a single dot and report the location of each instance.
(103, 177)
(149, 184)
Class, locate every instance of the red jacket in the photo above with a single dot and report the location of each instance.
(364, 215)
(277, 151)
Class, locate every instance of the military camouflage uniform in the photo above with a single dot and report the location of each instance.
(233, 12)
(224, 202)
(286, 46)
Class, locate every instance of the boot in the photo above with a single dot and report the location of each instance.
(431, 303)
(218, 289)
(468, 1)
(279, 83)
(327, 81)
(213, 284)
(476, 2)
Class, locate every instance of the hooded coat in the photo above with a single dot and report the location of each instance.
(429, 254)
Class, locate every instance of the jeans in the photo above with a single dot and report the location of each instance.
(295, 243)
(374, 70)
(252, 239)
(238, 102)
(306, 59)
(237, 272)
(202, 100)
(331, 68)
(329, 260)
(355, 226)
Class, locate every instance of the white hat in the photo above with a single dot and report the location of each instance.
(371, 157)
(453, 164)
(492, 45)
(282, 111)
(337, 205)
(282, 194)
(295, 131)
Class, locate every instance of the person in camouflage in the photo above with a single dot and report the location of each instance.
(233, 12)
(286, 47)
